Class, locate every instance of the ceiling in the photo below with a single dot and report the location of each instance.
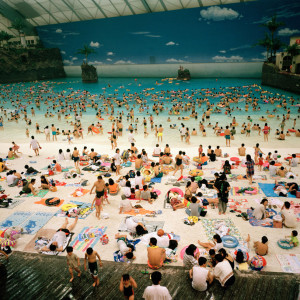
(45, 12)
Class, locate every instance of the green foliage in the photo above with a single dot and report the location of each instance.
(293, 50)
(86, 51)
(18, 24)
(5, 36)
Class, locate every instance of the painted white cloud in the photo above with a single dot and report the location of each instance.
(170, 43)
(257, 59)
(216, 13)
(233, 58)
(153, 35)
(124, 62)
(288, 32)
(109, 53)
(109, 59)
(58, 30)
(240, 47)
(74, 58)
(94, 44)
(141, 32)
(63, 52)
(173, 60)
(222, 51)
(96, 62)
(68, 62)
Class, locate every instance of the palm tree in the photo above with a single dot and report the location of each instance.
(19, 25)
(86, 50)
(293, 50)
(276, 45)
(4, 36)
(273, 25)
(265, 43)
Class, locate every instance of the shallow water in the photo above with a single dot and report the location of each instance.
(120, 86)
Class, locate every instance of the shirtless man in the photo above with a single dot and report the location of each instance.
(167, 159)
(90, 129)
(138, 162)
(75, 156)
(227, 136)
(242, 150)
(11, 154)
(91, 255)
(100, 187)
(156, 255)
(167, 149)
(160, 133)
(54, 131)
(218, 151)
(93, 155)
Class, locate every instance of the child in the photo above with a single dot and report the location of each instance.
(105, 197)
(91, 256)
(125, 248)
(293, 238)
(260, 161)
(98, 206)
(73, 262)
(137, 193)
(212, 261)
(53, 187)
(132, 193)
(275, 155)
(126, 286)
(261, 248)
(27, 132)
(216, 245)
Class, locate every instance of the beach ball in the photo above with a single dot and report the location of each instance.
(257, 262)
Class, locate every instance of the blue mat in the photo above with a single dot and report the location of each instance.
(156, 179)
(267, 189)
(15, 219)
(263, 223)
(36, 222)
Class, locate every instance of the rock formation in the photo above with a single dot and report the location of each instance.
(88, 73)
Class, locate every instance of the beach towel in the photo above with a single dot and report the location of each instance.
(234, 204)
(88, 237)
(65, 245)
(151, 226)
(15, 219)
(265, 222)
(84, 210)
(272, 201)
(79, 192)
(36, 221)
(42, 201)
(210, 227)
(40, 193)
(267, 189)
(290, 263)
(156, 180)
(13, 203)
(234, 191)
(138, 211)
(296, 208)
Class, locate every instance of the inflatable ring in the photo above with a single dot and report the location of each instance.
(277, 164)
(54, 201)
(197, 159)
(234, 159)
(148, 173)
(229, 241)
(222, 134)
(176, 190)
(96, 130)
(158, 192)
(7, 242)
(284, 244)
(196, 172)
(68, 206)
(83, 163)
(292, 130)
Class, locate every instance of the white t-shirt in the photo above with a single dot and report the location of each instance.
(131, 224)
(199, 278)
(60, 156)
(131, 138)
(126, 205)
(10, 179)
(122, 182)
(272, 170)
(58, 237)
(163, 241)
(182, 131)
(117, 158)
(156, 292)
(294, 162)
(222, 271)
(156, 150)
(122, 246)
(47, 131)
(289, 218)
(138, 180)
(34, 144)
(126, 191)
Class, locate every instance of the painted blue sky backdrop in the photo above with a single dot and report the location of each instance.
(209, 34)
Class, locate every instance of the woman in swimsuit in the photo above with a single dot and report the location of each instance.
(178, 164)
(127, 285)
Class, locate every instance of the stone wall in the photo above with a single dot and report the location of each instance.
(281, 80)
(30, 64)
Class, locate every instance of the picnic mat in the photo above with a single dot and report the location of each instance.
(290, 263)
(296, 208)
(267, 189)
(265, 222)
(138, 211)
(42, 201)
(235, 189)
(151, 226)
(30, 221)
(210, 230)
(41, 233)
(156, 179)
(272, 201)
(14, 203)
(88, 237)
(83, 191)
(238, 204)
(85, 210)
(244, 177)
(41, 193)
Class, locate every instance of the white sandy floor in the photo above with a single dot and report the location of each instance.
(173, 220)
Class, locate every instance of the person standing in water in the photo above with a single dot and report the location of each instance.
(160, 133)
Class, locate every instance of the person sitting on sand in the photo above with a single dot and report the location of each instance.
(156, 150)
(218, 151)
(138, 162)
(288, 216)
(29, 188)
(59, 238)
(282, 171)
(156, 255)
(3, 167)
(242, 150)
(260, 212)
(261, 248)
(167, 160)
(125, 248)
(281, 136)
(217, 243)
(11, 154)
(223, 271)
